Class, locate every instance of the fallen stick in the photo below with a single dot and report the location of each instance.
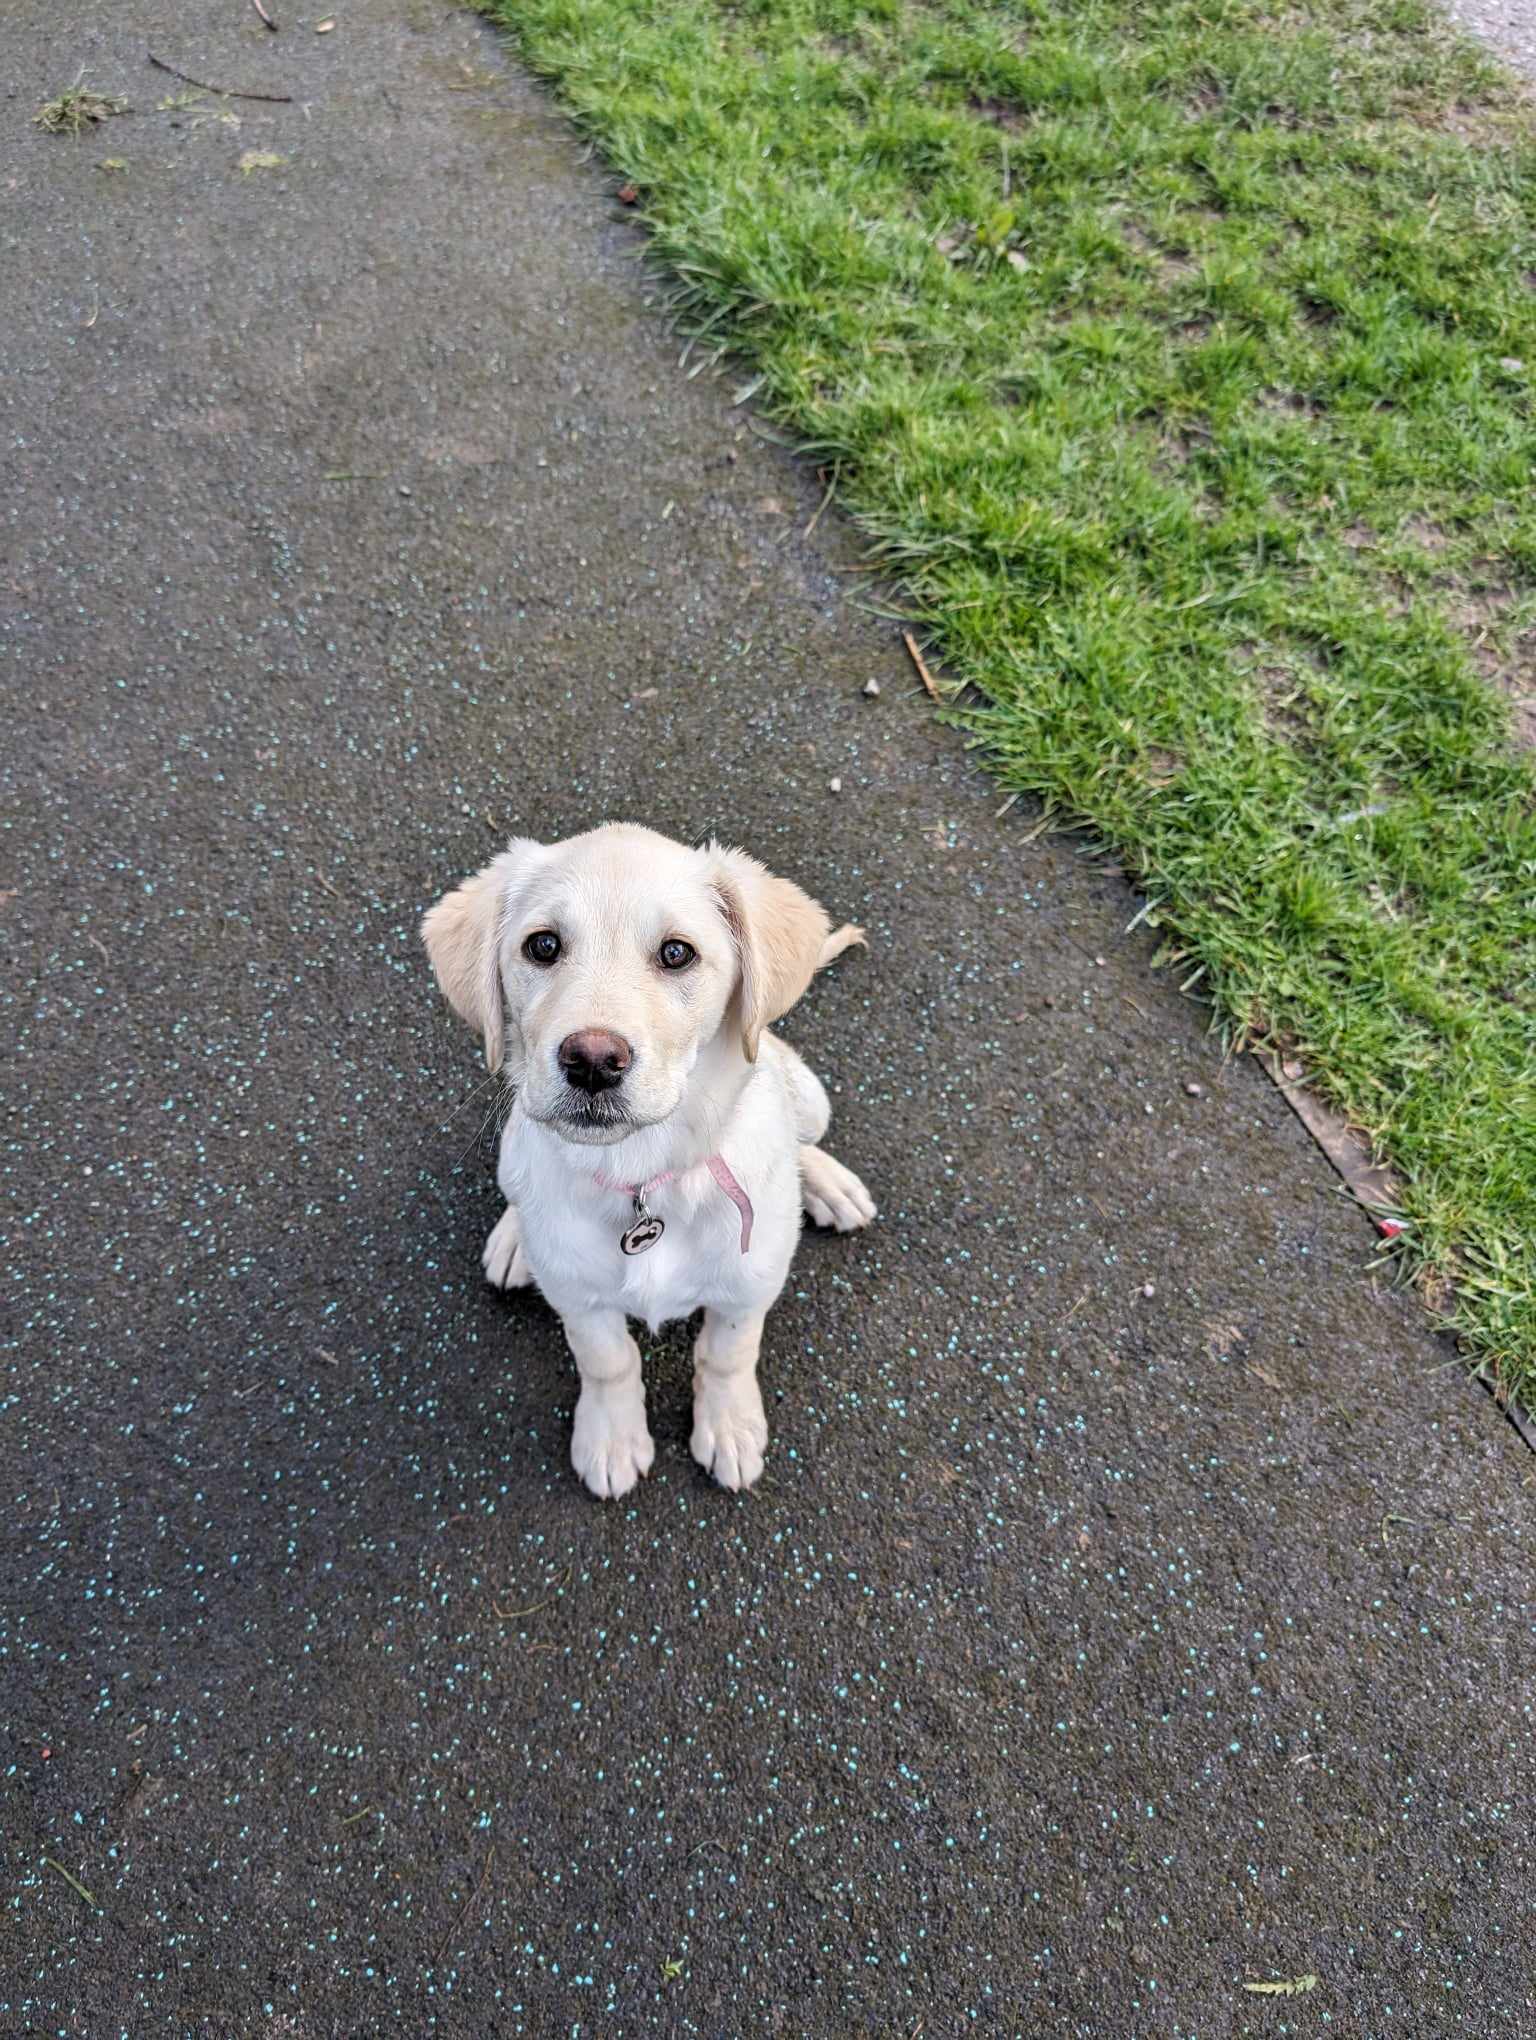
(826, 499)
(73, 1882)
(273, 25)
(921, 664)
(224, 91)
(437, 1953)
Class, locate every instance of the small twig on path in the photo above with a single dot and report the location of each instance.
(517, 1614)
(73, 1883)
(921, 664)
(224, 91)
(556, 1588)
(437, 1955)
(264, 15)
(826, 499)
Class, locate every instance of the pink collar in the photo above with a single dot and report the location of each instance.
(717, 1166)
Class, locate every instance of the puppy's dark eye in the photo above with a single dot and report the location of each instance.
(543, 946)
(675, 955)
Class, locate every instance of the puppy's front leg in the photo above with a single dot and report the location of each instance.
(610, 1445)
(730, 1431)
(503, 1259)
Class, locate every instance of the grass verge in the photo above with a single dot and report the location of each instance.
(1178, 357)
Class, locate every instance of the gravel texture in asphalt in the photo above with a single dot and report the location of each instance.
(1138, 1600)
(1508, 27)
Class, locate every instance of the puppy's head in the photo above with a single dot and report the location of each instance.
(599, 969)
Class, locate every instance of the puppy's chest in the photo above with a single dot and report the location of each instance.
(664, 1281)
(668, 1279)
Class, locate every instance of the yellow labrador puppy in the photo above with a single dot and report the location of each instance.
(662, 1143)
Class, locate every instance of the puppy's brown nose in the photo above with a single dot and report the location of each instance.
(594, 1060)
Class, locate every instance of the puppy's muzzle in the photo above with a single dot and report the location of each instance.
(594, 1060)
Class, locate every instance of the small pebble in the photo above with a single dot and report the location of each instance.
(834, 786)
(871, 688)
(1099, 961)
(1195, 1090)
(1149, 1289)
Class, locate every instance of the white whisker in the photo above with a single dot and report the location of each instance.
(467, 1100)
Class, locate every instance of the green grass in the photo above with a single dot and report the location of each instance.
(1178, 361)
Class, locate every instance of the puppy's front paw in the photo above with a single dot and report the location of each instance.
(504, 1262)
(611, 1445)
(833, 1195)
(730, 1431)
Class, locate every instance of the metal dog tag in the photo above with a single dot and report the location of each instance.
(644, 1233)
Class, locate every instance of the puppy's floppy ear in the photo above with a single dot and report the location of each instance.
(463, 938)
(780, 933)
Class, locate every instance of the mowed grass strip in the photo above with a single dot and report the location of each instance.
(1178, 359)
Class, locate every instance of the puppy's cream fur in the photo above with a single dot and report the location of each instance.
(706, 1078)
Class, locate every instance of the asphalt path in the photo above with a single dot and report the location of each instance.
(1137, 1603)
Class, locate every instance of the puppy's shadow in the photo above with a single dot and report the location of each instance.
(668, 1364)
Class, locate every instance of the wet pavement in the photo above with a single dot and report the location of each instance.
(1138, 1599)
